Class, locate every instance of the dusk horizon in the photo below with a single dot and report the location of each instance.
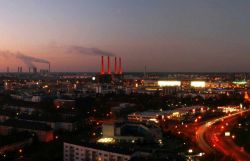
(124, 80)
(166, 36)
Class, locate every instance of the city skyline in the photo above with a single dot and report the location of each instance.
(124, 80)
(166, 36)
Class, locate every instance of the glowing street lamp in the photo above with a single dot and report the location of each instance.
(190, 151)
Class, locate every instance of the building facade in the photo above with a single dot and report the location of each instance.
(73, 152)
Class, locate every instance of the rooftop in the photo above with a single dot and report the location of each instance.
(105, 147)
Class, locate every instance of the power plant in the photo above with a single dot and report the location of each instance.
(116, 72)
(106, 76)
(31, 69)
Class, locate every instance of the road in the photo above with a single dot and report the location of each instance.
(210, 137)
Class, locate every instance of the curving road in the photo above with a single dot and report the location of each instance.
(200, 138)
(217, 141)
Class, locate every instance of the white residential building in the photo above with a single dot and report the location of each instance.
(73, 152)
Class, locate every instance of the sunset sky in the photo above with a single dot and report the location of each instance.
(165, 35)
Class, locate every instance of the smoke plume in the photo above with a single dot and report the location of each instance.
(26, 59)
(29, 60)
(75, 49)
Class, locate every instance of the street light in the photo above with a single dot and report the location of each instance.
(190, 151)
(201, 154)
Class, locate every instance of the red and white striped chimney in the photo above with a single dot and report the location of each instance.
(109, 72)
(102, 66)
(120, 66)
(115, 66)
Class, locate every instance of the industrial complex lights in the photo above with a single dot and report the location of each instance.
(198, 84)
(169, 83)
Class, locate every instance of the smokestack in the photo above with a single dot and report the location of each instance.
(109, 65)
(29, 70)
(102, 66)
(120, 66)
(34, 70)
(49, 67)
(8, 69)
(115, 66)
(18, 69)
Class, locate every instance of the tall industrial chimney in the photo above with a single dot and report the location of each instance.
(115, 66)
(109, 72)
(102, 66)
(120, 66)
(49, 67)
(18, 69)
(34, 70)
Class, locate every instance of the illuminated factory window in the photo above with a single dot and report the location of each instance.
(198, 84)
(169, 83)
